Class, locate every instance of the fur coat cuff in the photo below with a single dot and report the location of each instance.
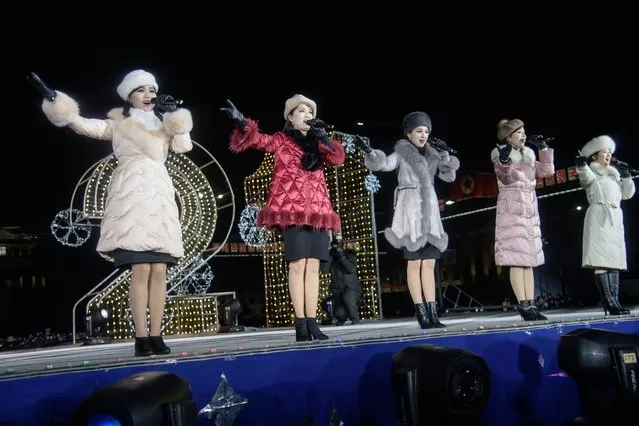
(178, 122)
(62, 111)
(241, 139)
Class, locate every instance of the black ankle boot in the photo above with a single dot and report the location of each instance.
(614, 292)
(431, 311)
(525, 311)
(158, 346)
(422, 316)
(534, 312)
(603, 284)
(301, 330)
(314, 330)
(143, 346)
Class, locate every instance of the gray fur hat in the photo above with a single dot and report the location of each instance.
(416, 119)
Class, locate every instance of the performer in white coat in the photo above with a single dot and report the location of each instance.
(606, 182)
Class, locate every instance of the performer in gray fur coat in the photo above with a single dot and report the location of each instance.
(417, 226)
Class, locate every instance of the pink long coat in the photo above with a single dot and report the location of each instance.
(517, 230)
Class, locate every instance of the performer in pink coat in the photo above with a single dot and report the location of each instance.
(517, 230)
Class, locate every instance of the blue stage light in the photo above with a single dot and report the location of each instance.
(103, 420)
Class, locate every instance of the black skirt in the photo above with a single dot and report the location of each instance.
(427, 252)
(124, 258)
(305, 243)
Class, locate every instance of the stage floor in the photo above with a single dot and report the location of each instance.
(36, 362)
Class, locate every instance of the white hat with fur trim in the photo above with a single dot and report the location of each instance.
(295, 101)
(133, 80)
(597, 144)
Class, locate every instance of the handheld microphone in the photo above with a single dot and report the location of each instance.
(164, 99)
(441, 145)
(317, 123)
(41, 87)
(624, 165)
(540, 138)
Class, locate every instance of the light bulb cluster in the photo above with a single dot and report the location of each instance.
(352, 202)
(198, 216)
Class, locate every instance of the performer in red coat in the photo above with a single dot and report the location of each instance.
(298, 203)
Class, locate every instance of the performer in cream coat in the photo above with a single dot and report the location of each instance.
(141, 227)
(604, 246)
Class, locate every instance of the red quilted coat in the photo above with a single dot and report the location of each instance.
(297, 197)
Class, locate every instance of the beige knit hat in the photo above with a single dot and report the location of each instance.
(295, 101)
(506, 128)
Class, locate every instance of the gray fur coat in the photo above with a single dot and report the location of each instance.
(416, 219)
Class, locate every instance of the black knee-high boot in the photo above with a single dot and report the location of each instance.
(603, 284)
(614, 292)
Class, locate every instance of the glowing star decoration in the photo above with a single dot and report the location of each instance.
(225, 405)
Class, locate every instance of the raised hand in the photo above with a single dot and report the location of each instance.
(504, 153)
(539, 141)
(234, 114)
(580, 160)
(361, 144)
(318, 130)
(165, 103)
(624, 169)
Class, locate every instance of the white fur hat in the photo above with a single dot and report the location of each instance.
(133, 80)
(295, 101)
(597, 144)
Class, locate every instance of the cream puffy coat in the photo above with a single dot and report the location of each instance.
(604, 245)
(141, 213)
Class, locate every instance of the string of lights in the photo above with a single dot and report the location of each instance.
(484, 209)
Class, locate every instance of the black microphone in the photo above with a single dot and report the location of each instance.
(41, 87)
(540, 138)
(166, 99)
(441, 145)
(317, 123)
(624, 165)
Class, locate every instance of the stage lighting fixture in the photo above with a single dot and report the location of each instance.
(96, 322)
(604, 365)
(439, 385)
(153, 398)
(230, 312)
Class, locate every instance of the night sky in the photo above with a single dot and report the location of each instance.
(568, 95)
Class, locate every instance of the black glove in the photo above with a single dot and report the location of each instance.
(539, 142)
(318, 131)
(438, 144)
(165, 103)
(235, 115)
(623, 168)
(504, 153)
(361, 144)
(580, 160)
(339, 251)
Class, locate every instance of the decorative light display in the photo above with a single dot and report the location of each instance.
(195, 279)
(70, 228)
(251, 234)
(347, 143)
(198, 216)
(186, 315)
(354, 205)
(371, 183)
